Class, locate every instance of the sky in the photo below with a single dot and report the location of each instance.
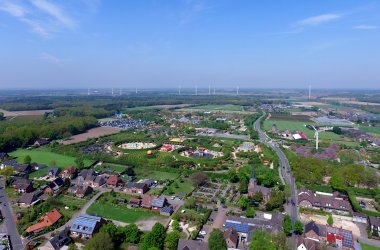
(171, 43)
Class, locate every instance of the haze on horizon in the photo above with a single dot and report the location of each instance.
(153, 44)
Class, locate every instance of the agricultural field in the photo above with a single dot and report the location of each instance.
(91, 133)
(228, 107)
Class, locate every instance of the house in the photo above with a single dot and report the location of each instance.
(231, 237)
(166, 211)
(340, 237)
(23, 168)
(53, 172)
(27, 200)
(47, 220)
(23, 185)
(9, 163)
(191, 245)
(146, 201)
(80, 191)
(114, 181)
(46, 189)
(314, 231)
(136, 188)
(306, 244)
(85, 226)
(328, 202)
(244, 226)
(38, 166)
(134, 202)
(69, 173)
(374, 225)
(56, 184)
(59, 241)
(358, 217)
(158, 203)
(41, 142)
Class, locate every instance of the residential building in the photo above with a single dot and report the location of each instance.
(360, 218)
(56, 184)
(114, 181)
(166, 211)
(328, 202)
(306, 244)
(134, 202)
(136, 188)
(80, 191)
(23, 168)
(314, 231)
(158, 203)
(340, 237)
(23, 185)
(41, 142)
(374, 225)
(146, 201)
(3, 156)
(69, 173)
(231, 237)
(53, 172)
(47, 220)
(59, 241)
(27, 200)
(85, 226)
(191, 245)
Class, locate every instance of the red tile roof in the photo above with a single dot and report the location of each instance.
(47, 220)
(113, 180)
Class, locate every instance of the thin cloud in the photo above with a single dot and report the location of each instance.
(36, 27)
(317, 20)
(13, 9)
(55, 11)
(192, 10)
(50, 58)
(366, 27)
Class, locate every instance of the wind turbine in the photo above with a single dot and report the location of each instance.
(112, 91)
(214, 90)
(209, 89)
(136, 90)
(309, 92)
(120, 91)
(179, 90)
(316, 136)
(237, 90)
(196, 89)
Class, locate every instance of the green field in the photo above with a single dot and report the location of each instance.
(297, 125)
(120, 212)
(372, 130)
(368, 247)
(228, 107)
(45, 156)
(71, 202)
(109, 166)
(185, 187)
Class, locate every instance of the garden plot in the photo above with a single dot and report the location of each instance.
(208, 191)
(137, 145)
(367, 203)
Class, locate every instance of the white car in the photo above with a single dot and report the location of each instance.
(202, 233)
(172, 198)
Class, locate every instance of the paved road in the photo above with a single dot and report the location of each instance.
(9, 221)
(285, 169)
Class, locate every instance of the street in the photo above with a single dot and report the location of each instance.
(10, 224)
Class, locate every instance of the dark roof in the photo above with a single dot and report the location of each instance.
(231, 234)
(22, 183)
(168, 210)
(3, 155)
(28, 198)
(158, 202)
(374, 221)
(312, 226)
(23, 168)
(11, 163)
(62, 239)
(270, 222)
(334, 201)
(191, 245)
(54, 171)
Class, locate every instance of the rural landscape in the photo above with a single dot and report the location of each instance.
(238, 172)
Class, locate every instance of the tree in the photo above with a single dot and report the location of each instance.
(216, 240)
(175, 225)
(279, 239)
(258, 197)
(243, 202)
(287, 226)
(171, 240)
(100, 241)
(27, 159)
(155, 238)
(132, 233)
(250, 213)
(72, 246)
(330, 220)
(243, 187)
(190, 203)
(337, 130)
(199, 178)
(232, 176)
(298, 227)
(79, 162)
(116, 233)
(262, 240)
(7, 171)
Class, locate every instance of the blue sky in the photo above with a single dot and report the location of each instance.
(166, 43)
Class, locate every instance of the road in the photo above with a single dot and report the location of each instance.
(9, 221)
(285, 169)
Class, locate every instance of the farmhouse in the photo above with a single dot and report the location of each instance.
(27, 200)
(136, 188)
(85, 226)
(23, 185)
(329, 202)
(47, 220)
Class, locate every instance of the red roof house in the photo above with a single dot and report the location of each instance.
(114, 181)
(47, 220)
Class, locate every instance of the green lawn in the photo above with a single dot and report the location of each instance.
(120, 212)
(74, 204)
(110, 166)
(368, 247)
(184, 187)
(45, 156)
